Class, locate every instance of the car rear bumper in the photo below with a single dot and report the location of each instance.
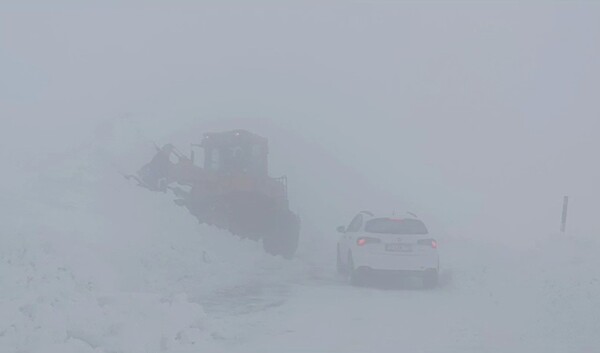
(371, 272)
(396, 263)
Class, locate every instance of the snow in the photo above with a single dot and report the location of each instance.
(491, 299)
(91, 263)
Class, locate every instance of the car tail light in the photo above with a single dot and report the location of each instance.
(429, 242)
(366, 240)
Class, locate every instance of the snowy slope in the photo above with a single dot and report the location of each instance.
(91, 263)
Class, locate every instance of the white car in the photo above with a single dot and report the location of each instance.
(371, 245)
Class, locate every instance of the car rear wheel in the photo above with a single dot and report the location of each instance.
(430, 279)
(341, 269)
(356, 278)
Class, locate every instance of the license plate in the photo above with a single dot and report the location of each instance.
(398, 247)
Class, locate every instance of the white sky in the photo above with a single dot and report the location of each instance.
(481, 116)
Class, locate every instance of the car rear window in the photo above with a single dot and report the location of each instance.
(395, 226)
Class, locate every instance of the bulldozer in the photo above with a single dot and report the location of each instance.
(230, 189)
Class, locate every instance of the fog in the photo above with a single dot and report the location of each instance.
(478, 117)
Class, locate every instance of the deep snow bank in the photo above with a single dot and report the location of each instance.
(89, 262)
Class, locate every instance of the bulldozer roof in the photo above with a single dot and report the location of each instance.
(234, 137)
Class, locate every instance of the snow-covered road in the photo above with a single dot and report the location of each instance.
(491, 300)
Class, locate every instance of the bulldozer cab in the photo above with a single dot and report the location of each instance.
(236, 152)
